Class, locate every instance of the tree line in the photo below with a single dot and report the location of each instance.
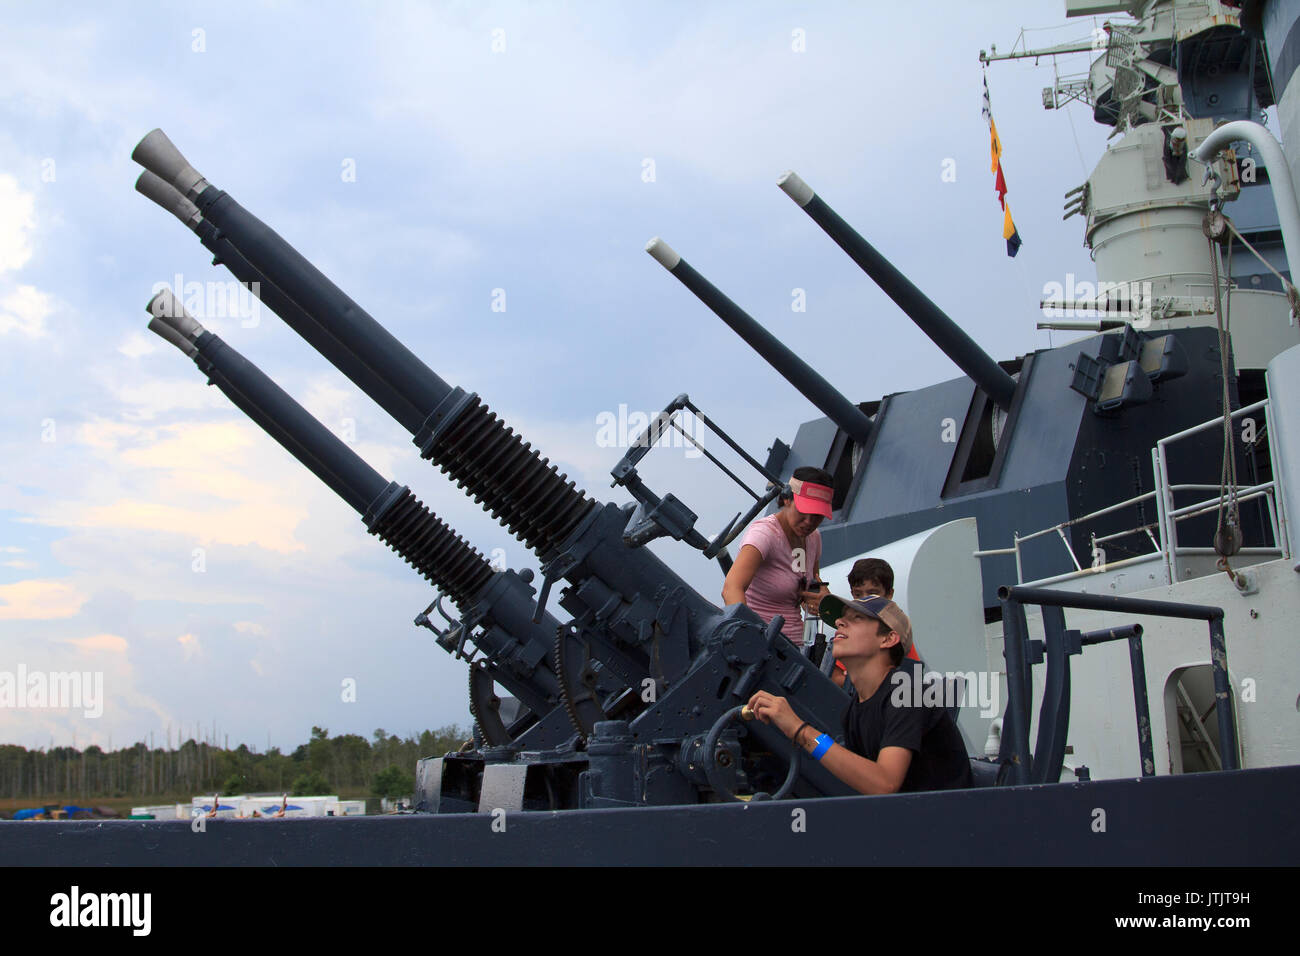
(383, 766)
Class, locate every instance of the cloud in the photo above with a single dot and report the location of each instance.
(25, 310)
(332, 406)
(267, 526)
(190, 479)
(109, 643)
(183, 447)
(138, 344)
(39, 600)
(20, 565)
(190, 644)
(17, 218)
(123, 708)
(150, 399)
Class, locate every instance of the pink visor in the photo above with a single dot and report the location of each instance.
(810, 498)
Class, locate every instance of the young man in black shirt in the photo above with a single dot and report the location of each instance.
(899, 736)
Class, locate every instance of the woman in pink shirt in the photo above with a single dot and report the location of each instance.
(780, 555)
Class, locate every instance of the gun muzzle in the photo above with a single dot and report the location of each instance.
(456, 430)
(169, 312)
(160, 156)
(165, 331)
(390, 511)
(169, 197)
(932, 320)
(797, 372)
(223, 252)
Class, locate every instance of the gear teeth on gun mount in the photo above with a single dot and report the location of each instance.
(522, 490)
(433, 549)
(490, 726)
(566, 692)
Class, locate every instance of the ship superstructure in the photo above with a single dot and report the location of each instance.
(1152, 459)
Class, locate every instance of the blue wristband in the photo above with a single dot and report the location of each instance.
(824, 744)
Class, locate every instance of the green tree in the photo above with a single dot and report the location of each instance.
(310, 784)
(393, 782)
(320, 755)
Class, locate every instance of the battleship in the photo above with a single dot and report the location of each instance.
(1101, 527)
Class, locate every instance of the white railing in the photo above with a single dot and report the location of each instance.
(1168, 516)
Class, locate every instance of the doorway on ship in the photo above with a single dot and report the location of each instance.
(1191, 720)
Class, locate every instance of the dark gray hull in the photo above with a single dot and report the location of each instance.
(1241, 818)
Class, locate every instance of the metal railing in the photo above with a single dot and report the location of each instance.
(1044, 763)
(1168, 516)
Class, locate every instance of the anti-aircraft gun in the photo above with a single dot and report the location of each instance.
(1067, 431)
(496, 607)
(686, 664)
(855, 427)
(1053, 438)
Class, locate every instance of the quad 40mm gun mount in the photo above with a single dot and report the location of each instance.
(978, 365)
(685, 662)
(856, 432)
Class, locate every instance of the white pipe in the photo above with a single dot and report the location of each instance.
(1279, 175)
(993, 745)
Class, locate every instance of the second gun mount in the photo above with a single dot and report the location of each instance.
(1062, 434)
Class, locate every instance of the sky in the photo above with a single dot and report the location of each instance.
(482, 178)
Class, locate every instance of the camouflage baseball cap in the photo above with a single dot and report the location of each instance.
(882, 609)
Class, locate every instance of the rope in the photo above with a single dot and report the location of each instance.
(1227, 537)
(1292, 294)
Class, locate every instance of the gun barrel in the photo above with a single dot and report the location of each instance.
(159, 155)
(387, 397)
(390, 511)
(932, 320)
(302, 282)
(456, 430)
(154, 187)
(797, 372)
(165, 331)
(509, 635)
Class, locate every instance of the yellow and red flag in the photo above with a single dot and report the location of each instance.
(1009, 231)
